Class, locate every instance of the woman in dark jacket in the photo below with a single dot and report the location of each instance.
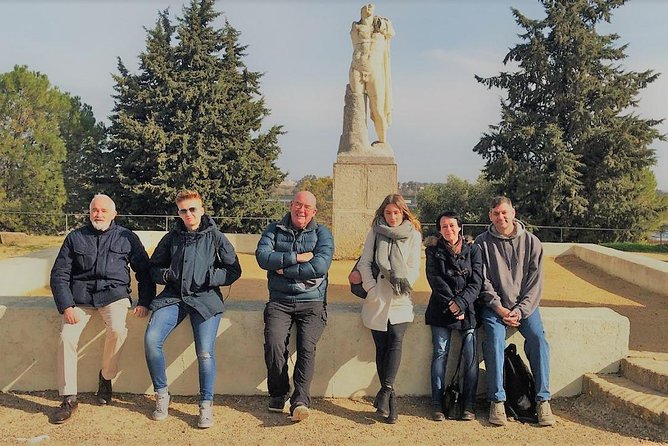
(454, 272)
(192, 260)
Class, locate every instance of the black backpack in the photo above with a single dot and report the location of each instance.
(520, 387)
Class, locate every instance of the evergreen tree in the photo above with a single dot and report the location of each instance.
(323, 189)
(569, 150)
(85, 171)
(469, 200)
(32, 151)
(192, 118)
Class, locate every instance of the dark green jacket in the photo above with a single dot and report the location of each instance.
(193, 266)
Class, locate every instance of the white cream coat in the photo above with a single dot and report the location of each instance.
(381, 304)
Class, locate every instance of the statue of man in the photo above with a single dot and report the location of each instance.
(370, 67)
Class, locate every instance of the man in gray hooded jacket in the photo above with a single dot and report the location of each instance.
(511, 292)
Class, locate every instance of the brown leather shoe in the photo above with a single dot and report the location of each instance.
(65, 411)
(468, 415)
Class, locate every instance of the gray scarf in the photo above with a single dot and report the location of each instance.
(389, 257)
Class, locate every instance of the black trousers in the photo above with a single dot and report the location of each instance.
(388, 352)
(310, 319)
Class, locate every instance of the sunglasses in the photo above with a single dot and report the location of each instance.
(185, 211)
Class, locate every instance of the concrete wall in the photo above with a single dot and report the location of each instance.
(20, 275)
(648, 273)
(243, 243)
(582, 340)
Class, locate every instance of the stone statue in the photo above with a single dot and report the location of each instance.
(370, 87)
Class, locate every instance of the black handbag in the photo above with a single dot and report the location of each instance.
(355, 278)
(452, 401)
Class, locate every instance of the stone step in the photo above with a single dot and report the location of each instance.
(623, 393)
(647, 369)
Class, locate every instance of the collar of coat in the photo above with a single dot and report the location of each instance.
(286, 224)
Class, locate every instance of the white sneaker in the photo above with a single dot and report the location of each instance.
(205, 414)
(161, 406)
(300, 413)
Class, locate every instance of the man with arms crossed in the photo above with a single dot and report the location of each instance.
(91, 273)
(297, 253)
(511, 292)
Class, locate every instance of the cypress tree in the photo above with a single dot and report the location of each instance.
(192, 118)
(569, 149)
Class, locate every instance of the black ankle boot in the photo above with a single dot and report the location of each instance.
(104, 392)
(382, 402)
(392, 416)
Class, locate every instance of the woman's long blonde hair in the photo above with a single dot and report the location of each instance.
(398, 201)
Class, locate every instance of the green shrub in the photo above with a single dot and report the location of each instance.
(638, 247)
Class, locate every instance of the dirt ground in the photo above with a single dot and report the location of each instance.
(244, 420)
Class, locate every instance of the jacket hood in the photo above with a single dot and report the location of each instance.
(520, 228)
(432, 240)
(206, 225)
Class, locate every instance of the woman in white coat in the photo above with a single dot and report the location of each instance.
(394, 245)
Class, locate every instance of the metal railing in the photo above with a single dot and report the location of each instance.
(164, 223)
(557, 233)
(135, 221)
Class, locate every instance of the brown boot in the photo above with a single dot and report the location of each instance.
(497, 413)
(65, 411)
(545, 416)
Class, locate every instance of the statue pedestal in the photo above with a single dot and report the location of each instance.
(360, 185)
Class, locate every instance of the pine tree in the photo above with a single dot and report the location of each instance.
(192, 118)
(32, 150)
(567, 150)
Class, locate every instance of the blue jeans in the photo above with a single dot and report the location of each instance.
(440, 341)
(163, 321)
(535, 346)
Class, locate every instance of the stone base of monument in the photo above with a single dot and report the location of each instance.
(361, 182)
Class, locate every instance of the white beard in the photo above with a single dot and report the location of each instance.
(100, 226)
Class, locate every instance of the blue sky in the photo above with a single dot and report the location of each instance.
(304, 49)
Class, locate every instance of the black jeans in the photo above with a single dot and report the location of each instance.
(388, 352)
(310, 318)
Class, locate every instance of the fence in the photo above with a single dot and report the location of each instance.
(145, 222)
(226, 224)
(563, 234)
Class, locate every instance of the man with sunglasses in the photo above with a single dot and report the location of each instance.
(193, 261)
(91, 275)
(296, 252)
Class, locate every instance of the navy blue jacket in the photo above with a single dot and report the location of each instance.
(455, 277)
(278, 248)
(92, 268)
(193, 266)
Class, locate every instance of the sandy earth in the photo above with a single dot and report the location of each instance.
(245, 420)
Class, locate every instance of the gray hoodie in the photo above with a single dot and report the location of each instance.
(512, 269)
